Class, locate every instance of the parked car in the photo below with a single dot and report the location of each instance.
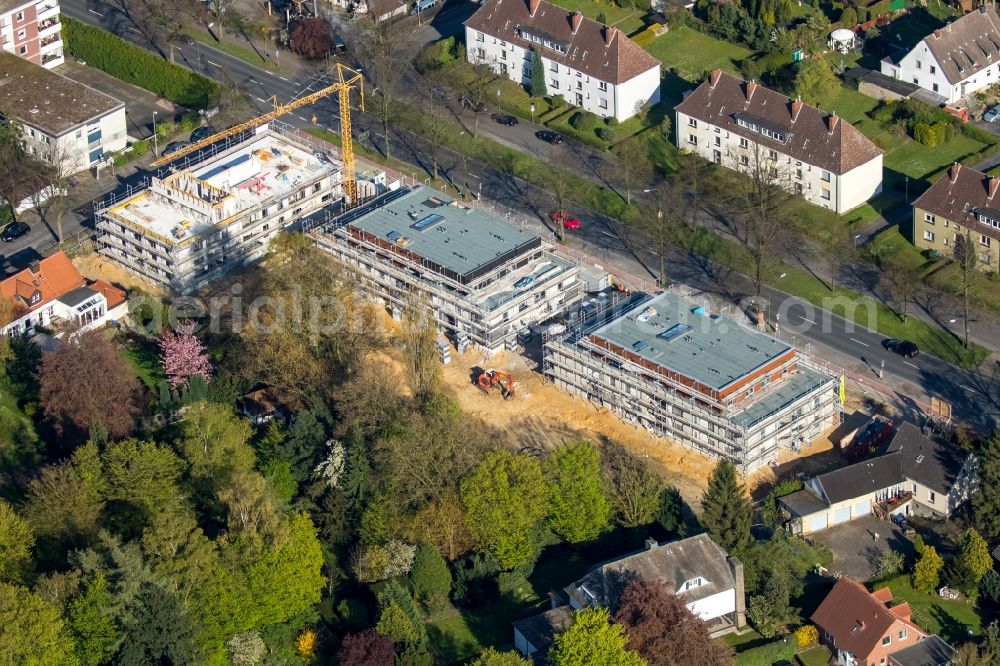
(992, 114)
(549, 137)
(904, 348)
(200, 133)
(504, 119)
(174, 147)
(13, 231)
(569, 222)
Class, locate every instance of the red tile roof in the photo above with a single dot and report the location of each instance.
(112, 294)
(55, 276)
(857, 619)
(602, 52)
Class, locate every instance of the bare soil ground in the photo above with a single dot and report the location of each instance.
(95, 267)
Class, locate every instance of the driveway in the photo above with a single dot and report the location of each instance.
(855, 551)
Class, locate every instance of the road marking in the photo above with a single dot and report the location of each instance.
(911, 365)
(261, 99)
(967, 388)
(98, 13)
(214, 64)
(809, 321)
(252, 81)
(133, 30)
(301, 118)
(282, 78)
(608, 233)
(859, 342)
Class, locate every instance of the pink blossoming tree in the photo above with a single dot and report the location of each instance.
(183, 355)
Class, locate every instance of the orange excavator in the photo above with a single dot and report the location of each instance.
(490, 379)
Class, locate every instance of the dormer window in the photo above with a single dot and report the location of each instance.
(35, 298)
(693, 583)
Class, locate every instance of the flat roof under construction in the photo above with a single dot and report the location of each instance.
(685, 338)
(459, 241)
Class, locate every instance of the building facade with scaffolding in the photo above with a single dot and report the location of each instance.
(485, 279)
(219, 208)
(700, 379)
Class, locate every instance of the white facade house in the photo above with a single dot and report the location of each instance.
(52, 293)
(738, 124)
(32, 31)
(955, 61)
(592, 66)
(64, 123)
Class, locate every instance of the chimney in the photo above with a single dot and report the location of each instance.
(609, 35)
(953, 172)
(35, 267)
(575, 19)
(736, 567)
(651, 543)
(993, 184)
(796, 108)
(937, 34)
(751, 87)
(831, 122)
(715, 76)
(532, 7)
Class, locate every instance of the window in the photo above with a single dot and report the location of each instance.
(984, 240)
(903, 633)
(480, 53)
(744, 143)
(20, 34)
(718, 141)
(480, 37)
(935, 87)
(744, 160)
(554, 84)
(929, 218)
(694, 582)
(19, 17)
(824, 194)
(929, 236)
(603, 103)
(774, 154)
(23, 50)
(555, 67)
(984, 257)
(933, 69)
(825, 176)
(693, 139)
(602, 86)
(931, 496)
(886, 640)
(916, 80)
(918, 64)
(503, 55)
(692, 122)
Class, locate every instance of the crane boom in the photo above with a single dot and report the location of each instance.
(342, 86)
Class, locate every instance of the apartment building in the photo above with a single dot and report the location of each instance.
(955, 61)
(31, 30)
(192, 226)
(485, 279)
(738, 123)
(64, 122)
(962, 202)
(592, 66)
(697, 378)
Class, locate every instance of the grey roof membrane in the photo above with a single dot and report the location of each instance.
(461, 239)
(707, 348)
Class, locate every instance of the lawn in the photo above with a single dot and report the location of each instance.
(241, 52)
(952, 620)
(624, 18)
(694, 53)
(144, 357)
(817, 655)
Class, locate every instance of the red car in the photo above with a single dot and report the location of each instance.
(569, 222)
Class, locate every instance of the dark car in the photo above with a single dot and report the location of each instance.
(201, 133)
(174, 147)
(549, 137)
(904, 348)
(504, 119)
(13, 231)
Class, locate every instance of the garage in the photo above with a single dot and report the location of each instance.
(841, 515)
(817, 523)
(862, 508)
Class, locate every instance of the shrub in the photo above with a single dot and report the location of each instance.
(612, 122)
(122, 60)
(436, 55)
(607, 134)
(849, 17)
(585, 121)
(977, 134)
(311, 37)
(769, 653)
(806, 635)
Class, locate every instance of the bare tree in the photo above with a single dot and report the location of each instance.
(51, 200)
(759, 201)
(559, 186)
(20, 174)
(632, 166)
(386, 52)
(664, 230)
(419, 337)
(902, 280)
(432, 126)
(475, 92)
(966, 257)
(220, 10)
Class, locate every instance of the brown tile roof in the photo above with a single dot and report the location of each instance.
(812, 136)
(959, 194)
(113, 295)
(596, 50)
(55, 276)
(968, 45)
(46, 100)
(857, 619)
(10, 5)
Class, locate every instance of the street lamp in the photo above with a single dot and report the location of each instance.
(532, 107)
(156, 147)
(498, 100)
(856, 237)
(907, 196)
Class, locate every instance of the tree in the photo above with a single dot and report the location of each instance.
(760, 200)
(476, 90)
(974, 555)
(419, 336)
(250, 506)
(367, 649)
(220, 10)
(927, 572)
(441, 522)
(183, 355)
(246, 648)
(726, 510)
(903, 279)
(538, 86)
(816, 82)
(305, 645)
(215, 442)
(52, 197)
(160, 630)
(16, 542)
(505, 500)
(430, 578)
(631, 486)
(92, 623)
(87, 384)
(559, 185)
(65, 502)
(771, 611)
(632, 165)
(592, 639)
(967, 259)
(986, 500)
(376, 562)
(662, 630)
(311, 37)
(32, 632)
(670, 515)
(664, 230)
(143, 474)
(432, 126)
(20, 174)
(387, 56)
(396, 624)
(493, 657)
(579, 510)
(888, 564)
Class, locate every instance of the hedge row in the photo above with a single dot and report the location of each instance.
(768, 654)
(125, 61)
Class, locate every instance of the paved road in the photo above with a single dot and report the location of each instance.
(975, 395)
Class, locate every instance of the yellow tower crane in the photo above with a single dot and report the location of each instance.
(342, 87)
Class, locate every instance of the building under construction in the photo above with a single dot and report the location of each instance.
(698, 378)
(484, 279)
(220, 208)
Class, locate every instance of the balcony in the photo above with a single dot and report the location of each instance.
(49, 57)
(48, 26)
(51, 39)
(47, 10)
